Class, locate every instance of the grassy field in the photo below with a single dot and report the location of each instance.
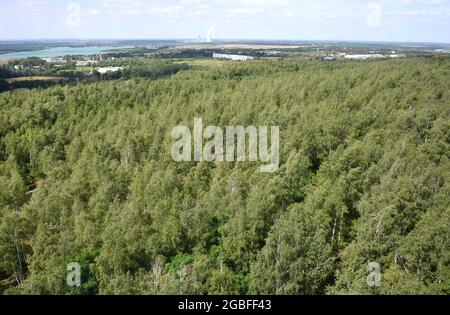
(36, 78)
(203, 63)
(86, 69)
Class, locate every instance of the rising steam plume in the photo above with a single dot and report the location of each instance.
(210, 32)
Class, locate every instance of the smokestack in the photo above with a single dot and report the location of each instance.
(210, 31)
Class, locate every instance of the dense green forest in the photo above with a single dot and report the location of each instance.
(87, 176)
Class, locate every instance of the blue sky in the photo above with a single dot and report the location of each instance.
(373, 20)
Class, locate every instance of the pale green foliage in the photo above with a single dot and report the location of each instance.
(87, 176)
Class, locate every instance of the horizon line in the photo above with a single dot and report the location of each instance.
(219, 40)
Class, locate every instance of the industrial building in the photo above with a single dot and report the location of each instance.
(109, 69)
(364, 57)
(233, 57)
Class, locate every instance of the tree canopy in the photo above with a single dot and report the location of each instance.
(87, 176)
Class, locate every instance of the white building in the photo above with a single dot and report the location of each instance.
(364, 57)
(109, 69)
(397, 56)
(442, 51)
(233, 57)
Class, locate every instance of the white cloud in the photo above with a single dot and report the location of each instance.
(243, 11)
(93, 12)
(165, 10)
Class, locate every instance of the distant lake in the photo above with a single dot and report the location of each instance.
(59, 52)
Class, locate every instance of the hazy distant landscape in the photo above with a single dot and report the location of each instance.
(79, 60)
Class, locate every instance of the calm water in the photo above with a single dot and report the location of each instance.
(59, 52)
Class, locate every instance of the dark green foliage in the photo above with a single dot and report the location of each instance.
(89, 283)
(69, 73)
(4, 85)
